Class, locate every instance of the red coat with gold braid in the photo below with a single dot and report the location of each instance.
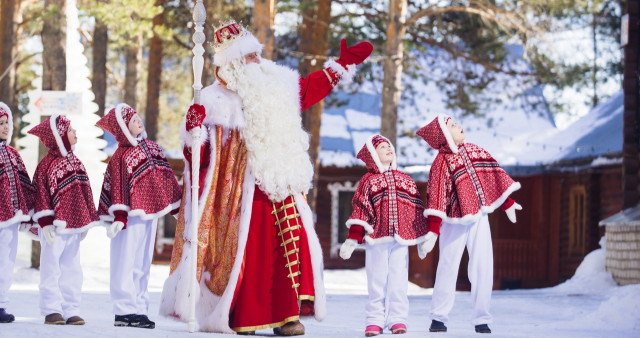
(62, 185)
(138, 179)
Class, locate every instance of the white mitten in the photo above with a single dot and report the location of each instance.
(49, 233)
(114, 228)
(24, 227)
(425, 247)
(511, 212)
(347, 248)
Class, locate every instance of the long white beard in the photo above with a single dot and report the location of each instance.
(277, 146)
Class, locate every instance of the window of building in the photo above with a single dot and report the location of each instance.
(341, 196)
(577, 219)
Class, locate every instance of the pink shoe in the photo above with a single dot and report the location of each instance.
(372, 330)
(398, 328)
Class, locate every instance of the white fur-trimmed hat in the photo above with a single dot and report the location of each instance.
(232, 41)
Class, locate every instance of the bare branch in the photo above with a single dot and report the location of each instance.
(449, 49)
(180, 42)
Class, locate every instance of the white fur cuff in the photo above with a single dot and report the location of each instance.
(346, 75)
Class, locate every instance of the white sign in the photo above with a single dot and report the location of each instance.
(624, 30)
(49, 102)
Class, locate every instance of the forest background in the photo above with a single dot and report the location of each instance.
(139, 51)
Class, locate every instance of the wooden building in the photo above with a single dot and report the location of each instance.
(557, 227)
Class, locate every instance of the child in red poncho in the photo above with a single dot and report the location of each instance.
(465, 185)
(16, 207)
(64, 210)
(388, 215)
(139, 187)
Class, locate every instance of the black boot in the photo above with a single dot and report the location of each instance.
(483, 328)
(127, 320)
(437, 326)
(6, 317)
(146, 323)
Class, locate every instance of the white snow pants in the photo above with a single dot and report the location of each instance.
(8, 251)
(387, 266)
(60, 275)
(453, 239)
(131, 255)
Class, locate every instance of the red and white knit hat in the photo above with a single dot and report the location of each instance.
(53, 133)
(437, 134)
(5, 110)
(232, 41)
(117, 123)
(369, 155)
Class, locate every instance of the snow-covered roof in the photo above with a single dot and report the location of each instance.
(597, 136)
(513, 112)
(516, 135)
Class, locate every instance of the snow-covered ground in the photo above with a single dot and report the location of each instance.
(588, 305)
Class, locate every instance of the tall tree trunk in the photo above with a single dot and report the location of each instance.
(17, 54)
(631, 114)
(314, 41)
(392, 83)
(54, 69)
(9, 12)
(7, 68)
(99, 79)
(264, 12)
(132, 59)
(594, 75)
(214, 15)
(154, 77)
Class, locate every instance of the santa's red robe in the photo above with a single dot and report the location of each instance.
(255, 267)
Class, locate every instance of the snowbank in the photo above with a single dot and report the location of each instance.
(591, 276)
(621, 305)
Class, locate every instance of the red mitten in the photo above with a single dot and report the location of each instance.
(434, 223)
(45, 221)
(355, 54)
(356, 232)
(507, 204)
(121, 216)
(195, 116)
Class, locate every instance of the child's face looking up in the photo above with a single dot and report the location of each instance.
(385, 153)
(135, 125)
(71, 135)
(4, 127)
(456, 132)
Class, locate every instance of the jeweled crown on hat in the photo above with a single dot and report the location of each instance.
(226, 34)
(231, 41)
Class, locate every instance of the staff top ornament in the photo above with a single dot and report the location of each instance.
(232, 41)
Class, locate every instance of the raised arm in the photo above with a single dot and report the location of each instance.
(317, 85)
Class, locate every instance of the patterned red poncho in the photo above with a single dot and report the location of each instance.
(62, 185)
(16, 191)
(139, 179)
(464, 182)
(387, 202)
